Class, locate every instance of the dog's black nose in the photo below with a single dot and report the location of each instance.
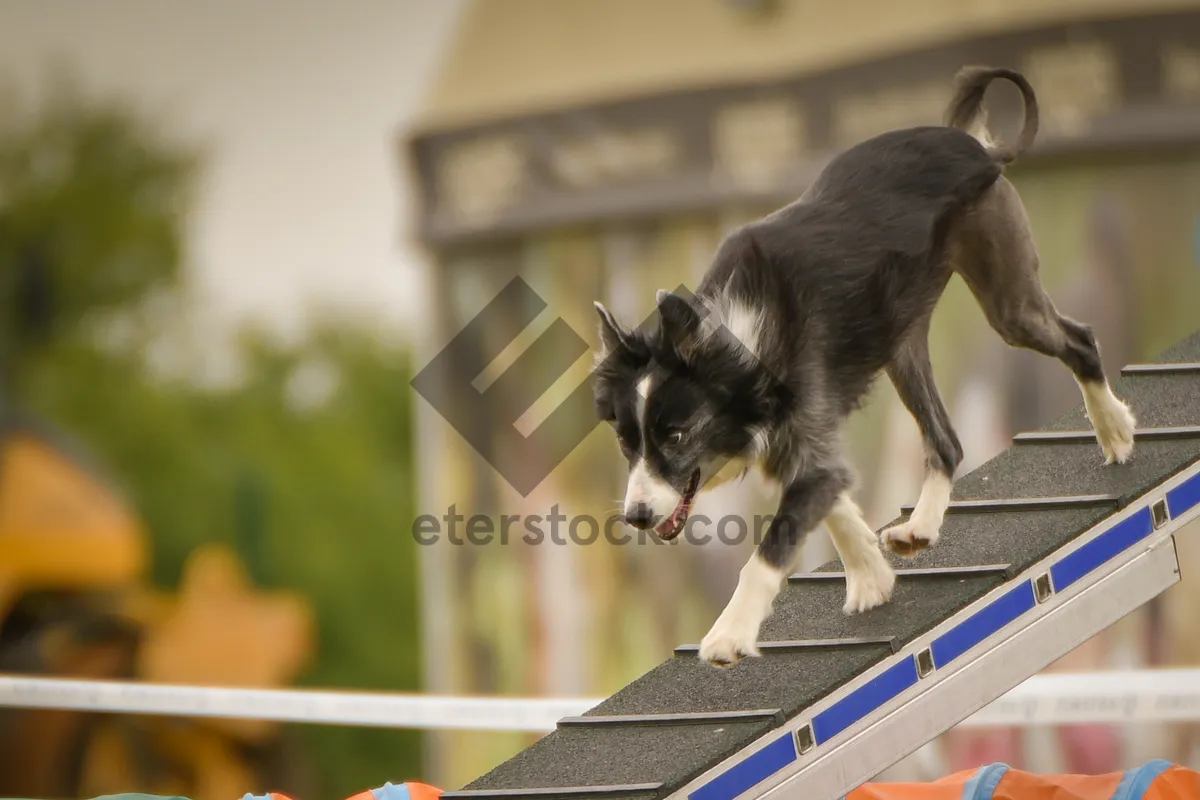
(639, 516)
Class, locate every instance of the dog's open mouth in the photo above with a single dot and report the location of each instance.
(669, 528)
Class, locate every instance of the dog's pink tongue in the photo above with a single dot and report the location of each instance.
(669, 527)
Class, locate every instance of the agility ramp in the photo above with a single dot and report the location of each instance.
(1043, 547)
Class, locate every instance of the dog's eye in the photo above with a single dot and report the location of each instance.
(675, 437)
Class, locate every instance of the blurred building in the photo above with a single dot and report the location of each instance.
(599, 149)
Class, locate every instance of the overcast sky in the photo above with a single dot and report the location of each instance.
(300, 103)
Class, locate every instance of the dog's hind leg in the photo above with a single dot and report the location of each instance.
(912, 374)
(805, 502)
(995, 254)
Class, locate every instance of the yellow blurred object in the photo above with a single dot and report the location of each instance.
(223, 632)
(58, 525)
(74, 603)
(200, 763)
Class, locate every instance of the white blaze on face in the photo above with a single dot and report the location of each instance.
(643, 394)
(644, 488)
(651, 492)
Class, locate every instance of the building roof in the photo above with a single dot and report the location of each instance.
(511, 57)
(1103, 83)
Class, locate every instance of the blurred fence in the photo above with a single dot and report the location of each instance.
(1170, 695)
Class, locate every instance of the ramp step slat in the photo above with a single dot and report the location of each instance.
(1080, 436)
(1161, 369)
(1023, 504)
(917, 572)
(794, 645)
(694, 718)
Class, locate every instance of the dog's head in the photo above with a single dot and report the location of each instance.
(689, 406)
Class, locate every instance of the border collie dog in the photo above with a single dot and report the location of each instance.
(799, 313)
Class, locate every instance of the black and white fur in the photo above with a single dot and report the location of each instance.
(798, 315)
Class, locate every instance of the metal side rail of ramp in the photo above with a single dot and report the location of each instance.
(1044, 546)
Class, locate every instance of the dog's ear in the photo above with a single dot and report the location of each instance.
(612, 336)
(680, 323)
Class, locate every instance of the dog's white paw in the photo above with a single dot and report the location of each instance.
(909, 538)
(1115, 425)
(869, 586)
(729, 642)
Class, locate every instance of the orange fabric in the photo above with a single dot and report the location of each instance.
(1176, 783)
(907, 791)
(947, 788)
(1017, 785)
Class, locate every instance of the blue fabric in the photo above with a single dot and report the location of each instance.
(983, 784)
(1135, 782)
(390, 791)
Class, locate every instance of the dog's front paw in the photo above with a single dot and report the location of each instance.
(1113, 422)
(726, 645)
(869, 586)
(909, 538)
(1115, 427)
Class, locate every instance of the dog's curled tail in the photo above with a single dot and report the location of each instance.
(965, 111)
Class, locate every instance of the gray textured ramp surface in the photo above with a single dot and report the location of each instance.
(1016, 538)
(1054, 470)
(813, 610)
(1162, 401)
(652, 760)
(615, 755)
(685, 684)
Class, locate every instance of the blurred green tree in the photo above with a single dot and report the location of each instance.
(305, 465)
(93, 210)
